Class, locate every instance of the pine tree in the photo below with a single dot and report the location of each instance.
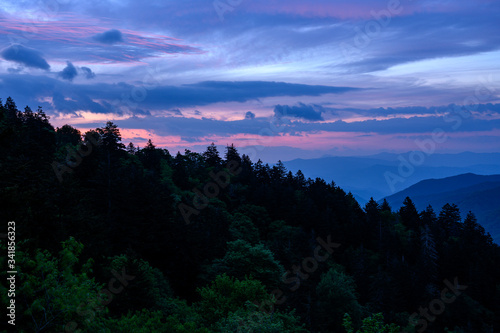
(211, 156)
(449, 219)
(232, 154)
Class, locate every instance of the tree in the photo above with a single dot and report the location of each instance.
(243, 228)
(428, 217)
(111, 137)
(300, 179)
(55, 291)
(336, 296)
(474, 233)
(227, 294)
(244, 259)
(211, 156)
(68, 135)
(131, 149)
(148, 289)
(232, 305)
(371, 324)
(278, 172)
(449, 219)
(146, 321)
(151, 157)
(409, 214)
(385, 206)
(372, 210)
(429, 259)
(232, 154)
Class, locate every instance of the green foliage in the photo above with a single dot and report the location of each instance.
(253, 320)
(227, 294)
(242, 228)
(53, 291)
(149, 288)
(336, 295)
(244, 259)
(231, 305)
(146, 321)
(371, 324)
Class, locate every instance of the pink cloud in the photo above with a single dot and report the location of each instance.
(76, 32)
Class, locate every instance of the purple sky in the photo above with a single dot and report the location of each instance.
(279, 79)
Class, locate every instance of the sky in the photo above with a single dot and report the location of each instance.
(278, 79)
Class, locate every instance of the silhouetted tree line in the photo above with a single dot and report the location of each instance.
(117, 207)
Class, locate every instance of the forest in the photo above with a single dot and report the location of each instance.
(111, 237)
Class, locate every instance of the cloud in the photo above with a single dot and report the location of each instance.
(87, 72)
(68, 38)
(117, 98)
(109, 37)
(176, 112)
(25, 56)
(249, 115)
(14, 70)
(69, 72)
(307, 112)
(418, 127)
(486, 108)
(425, 125)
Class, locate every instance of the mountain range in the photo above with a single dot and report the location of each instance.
(470, 192)
(384, 174)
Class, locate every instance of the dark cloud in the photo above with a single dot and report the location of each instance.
(211, 92)
(249, 115)
(486, 108)
(118, 98)
(452, 122)
(87, 72)
(176, 112)
(307, 112)
(110, 37)
(244, 90)
(69, 72)
(25, 56)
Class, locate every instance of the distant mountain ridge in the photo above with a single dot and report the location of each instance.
(365, 177)
(470, 192)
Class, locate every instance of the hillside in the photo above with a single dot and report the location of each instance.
(471, 192)
(216, 242)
